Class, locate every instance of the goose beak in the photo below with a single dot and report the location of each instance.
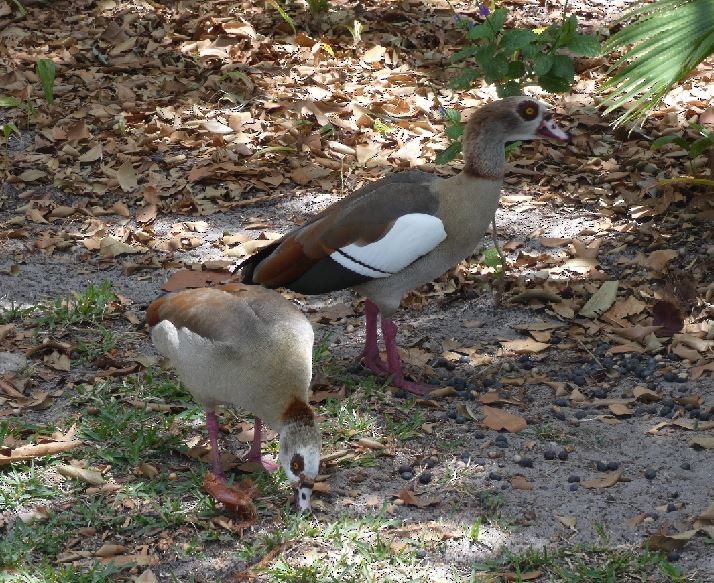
(303, 493)
(549, 129)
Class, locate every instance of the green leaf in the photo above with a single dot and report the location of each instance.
(480, 31)
(452, 115)
(516, 70)
(542, 64)
(46, 72)
(563, 67)
(454, 132)
(529, 51)
(508, 89)
(285, 16)
(9, 128)
(491, 258)
(699, 147)
(464, 53)
(463, 81)
(498, 18)
(554, 83)
(7, 101)
(515, 39)
(584, 44)
(446, 156)
(494, 69)
(664, 140)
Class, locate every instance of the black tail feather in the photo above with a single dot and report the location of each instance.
(247, 266)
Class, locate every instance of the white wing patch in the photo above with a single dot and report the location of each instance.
(410, 237)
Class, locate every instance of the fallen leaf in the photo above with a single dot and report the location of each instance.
(497, 419)
(702, 441)
(657, 260)
(620, 410)
(237, 498)
(646, 395)
(112, 247)
(569, 521)
(82, 474)
(520, 483)
(28, 452)
(606, 481)
(127, 178)
(601, 300)
(524, 346)
(411, 499)
(668, 316)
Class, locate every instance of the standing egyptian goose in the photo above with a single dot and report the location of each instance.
(247, 347)
(402, 231)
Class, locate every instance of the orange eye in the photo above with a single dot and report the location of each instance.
(530, 111)
(295, 467)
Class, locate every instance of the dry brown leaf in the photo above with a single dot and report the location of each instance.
(497, 420)
(620, 410)
(630, 306)
(237, 498)
(698, 371)
(646, 395)
(113, 247)
(524, 346)
(520, 576)
(607, 481)
(146, 577)
(657, 260)
(109, 550)
(127, 178)
(686, 353)
(82, 474)
(519, 482)
(703, 441)
(411, 499)
(601, 300)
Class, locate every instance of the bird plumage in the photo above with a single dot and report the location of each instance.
(402, 231)
(248, 347)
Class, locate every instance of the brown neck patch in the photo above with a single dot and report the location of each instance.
(298, 411)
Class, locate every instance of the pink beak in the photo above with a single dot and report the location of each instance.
(549, 129)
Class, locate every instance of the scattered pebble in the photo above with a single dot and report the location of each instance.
(479, 434)
(601, 466)
(650, 474)
(612, 466)
(686, 466)
(573, 487)
(562, 455)
(495, 476)
(425, 477)
(573, 478)
(526, 462)
(501, 441)
(549, 454)
(407, 475)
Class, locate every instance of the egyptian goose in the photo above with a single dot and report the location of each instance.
(402, 231)
(248, 347)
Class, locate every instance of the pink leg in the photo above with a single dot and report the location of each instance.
(254, 451)
(212, 426)
(370, 354)
(389, 331)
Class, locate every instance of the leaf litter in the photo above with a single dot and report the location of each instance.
(103, 174)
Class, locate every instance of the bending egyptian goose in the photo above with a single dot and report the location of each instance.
(402, 231)
(247, 347)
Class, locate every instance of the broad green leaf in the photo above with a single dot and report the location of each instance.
(454, 132)
(464, 53)
(498, 19)
(542, 64)
(563, 67)
(584, 44)
(480, 31)
(515, 39)
(7, 101)
(699, 147)
(446, 156)
(509, 89)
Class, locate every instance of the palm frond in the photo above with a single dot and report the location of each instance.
(667, 39)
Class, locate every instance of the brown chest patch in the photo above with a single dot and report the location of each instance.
(298, 410)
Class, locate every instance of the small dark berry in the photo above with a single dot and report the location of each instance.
(425, 477)
(562, 455)
(407, 475)
(526, 462)
(495, 476)
(559, 415)
(573, 478)
(460, 419)
(650, 474)
(549, 454)
(612, 466)
(573, 487)
(479, 435)
(686, 466)
(561, 402)
(420, 554)
(673, 556)
(404, 468)
(580, 380)
(671, 507)
(601, 466)
(580, 414)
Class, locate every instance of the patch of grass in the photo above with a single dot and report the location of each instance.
(101, 342)
(587, 564)
(22, 485)
(88, 307)
(14, 312)
(346, 419)
(547, 432)
(408, 425)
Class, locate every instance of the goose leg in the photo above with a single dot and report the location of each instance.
(370, 354)
(389, 331)
(212, 427)
(254, 451)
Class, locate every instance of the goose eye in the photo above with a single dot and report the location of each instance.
(528, 110)
(297, 464)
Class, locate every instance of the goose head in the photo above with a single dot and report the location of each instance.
(300, 458)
